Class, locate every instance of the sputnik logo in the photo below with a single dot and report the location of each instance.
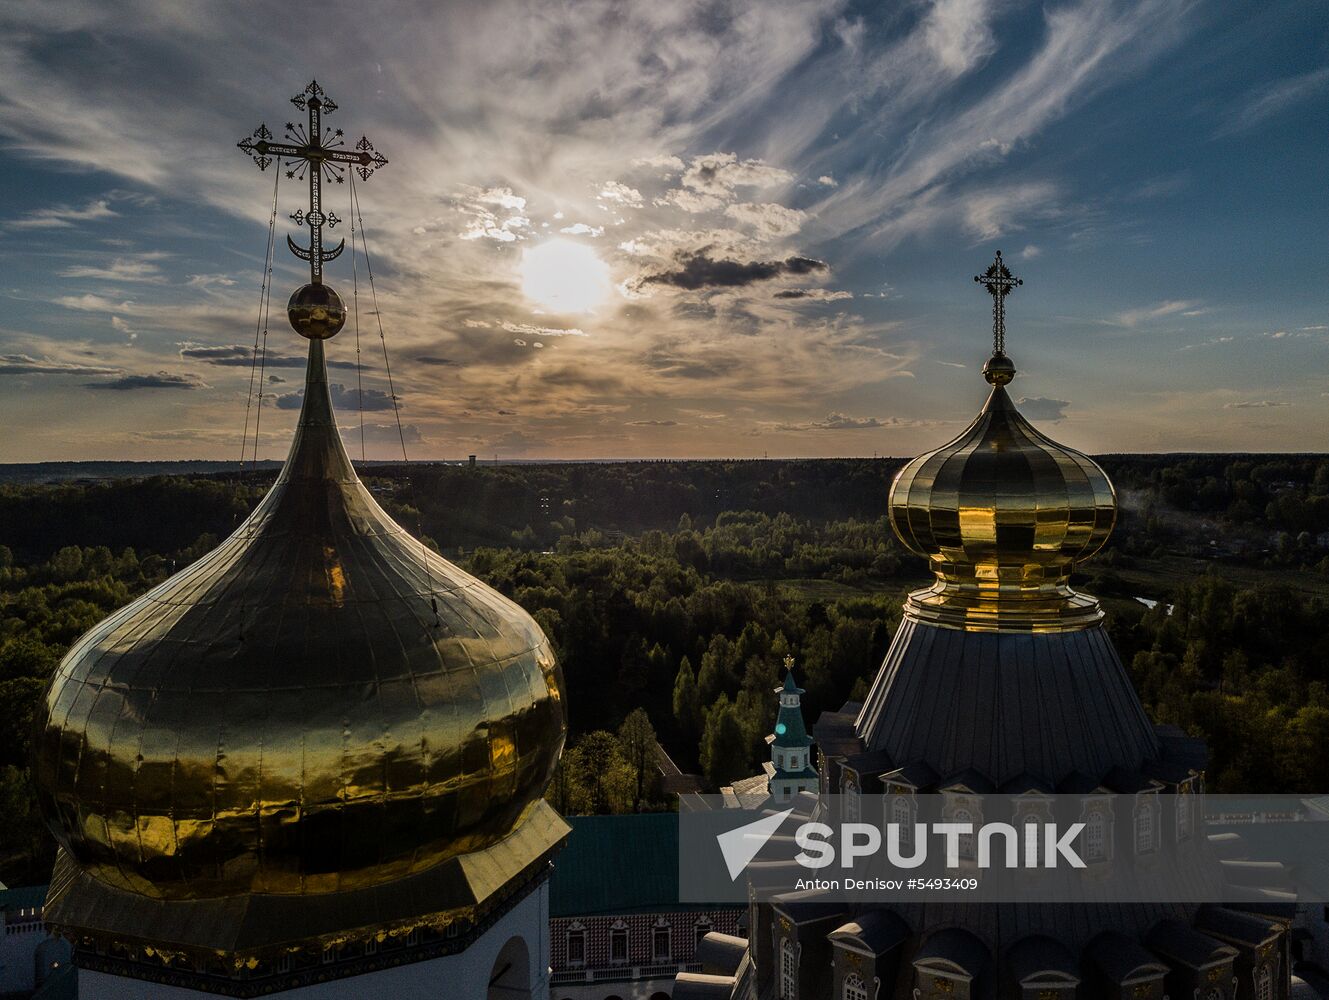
(739, 846)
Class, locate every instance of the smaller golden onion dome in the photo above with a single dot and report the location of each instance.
(1003, 514)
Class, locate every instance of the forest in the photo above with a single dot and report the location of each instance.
(673, 591)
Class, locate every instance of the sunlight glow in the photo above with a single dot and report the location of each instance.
(564, 276)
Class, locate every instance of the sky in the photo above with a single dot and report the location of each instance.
(623, 229)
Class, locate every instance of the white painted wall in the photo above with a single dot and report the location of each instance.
(20, 937)
(453, 977)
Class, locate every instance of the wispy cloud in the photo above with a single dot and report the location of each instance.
(23, 364)
(1159, 310)
(143, 268)
(836, 421)
(64, 216)
(1273, 98)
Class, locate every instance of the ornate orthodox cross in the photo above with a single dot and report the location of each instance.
(318, 153)
(998, 281)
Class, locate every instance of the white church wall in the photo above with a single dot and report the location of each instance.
(21, 933)
(465, 976)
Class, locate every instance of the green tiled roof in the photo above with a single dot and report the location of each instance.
(616, 864)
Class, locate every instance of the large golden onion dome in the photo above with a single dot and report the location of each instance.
(1002, 513)
(319, 704)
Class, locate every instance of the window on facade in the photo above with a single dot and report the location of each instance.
(1031, 819)
(329, 955)
(1264, 984)
(1183, 816)
(700, 931)
(1144, 829)
(902, 815)
(660, 944)
(854, 987)
(788, 971)
(284, 964)
(576, 947)
(371, 947)
(1095, 837)
(850, 803)
(618, 946)
(966, 839)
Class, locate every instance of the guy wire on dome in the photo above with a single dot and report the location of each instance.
(316, 311)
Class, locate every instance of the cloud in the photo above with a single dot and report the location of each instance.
(434, 361)
(826, 180)
(240, 356)
(770, 220)
(990, 213)
(620, 193)
(652, 423)
(64, 216)
(719, 173)
(141, 269)
(1030, 252)
(1211, 342)
(690, 201)
(527, 330)
(697, 271)
(342, 397)
(1043, 408)
(669, 164)
(835, 421)
(814, 294)
(581, 229)
(23, 364)
(1134, 317)
(209, 281)
(1272, 99)
(491, 213)
(952, 364)
(958, 33)
(1255, 404)
(156, 380)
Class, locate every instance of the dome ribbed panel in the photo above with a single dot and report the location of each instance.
(1006, 704)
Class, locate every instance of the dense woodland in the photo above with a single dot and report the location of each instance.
(673, 592)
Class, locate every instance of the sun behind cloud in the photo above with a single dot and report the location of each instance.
(564, 276)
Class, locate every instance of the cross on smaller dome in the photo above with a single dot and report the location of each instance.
(999, 281)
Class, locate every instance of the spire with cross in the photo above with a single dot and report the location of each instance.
(315, 152)
(999, 281)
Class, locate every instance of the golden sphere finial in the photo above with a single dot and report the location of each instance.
(999, 370)
(316, 311)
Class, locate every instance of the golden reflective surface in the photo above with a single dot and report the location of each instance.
(1003, 513)
(316, 311)
(289, 714)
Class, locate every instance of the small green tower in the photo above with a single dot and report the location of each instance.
(791, 746)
